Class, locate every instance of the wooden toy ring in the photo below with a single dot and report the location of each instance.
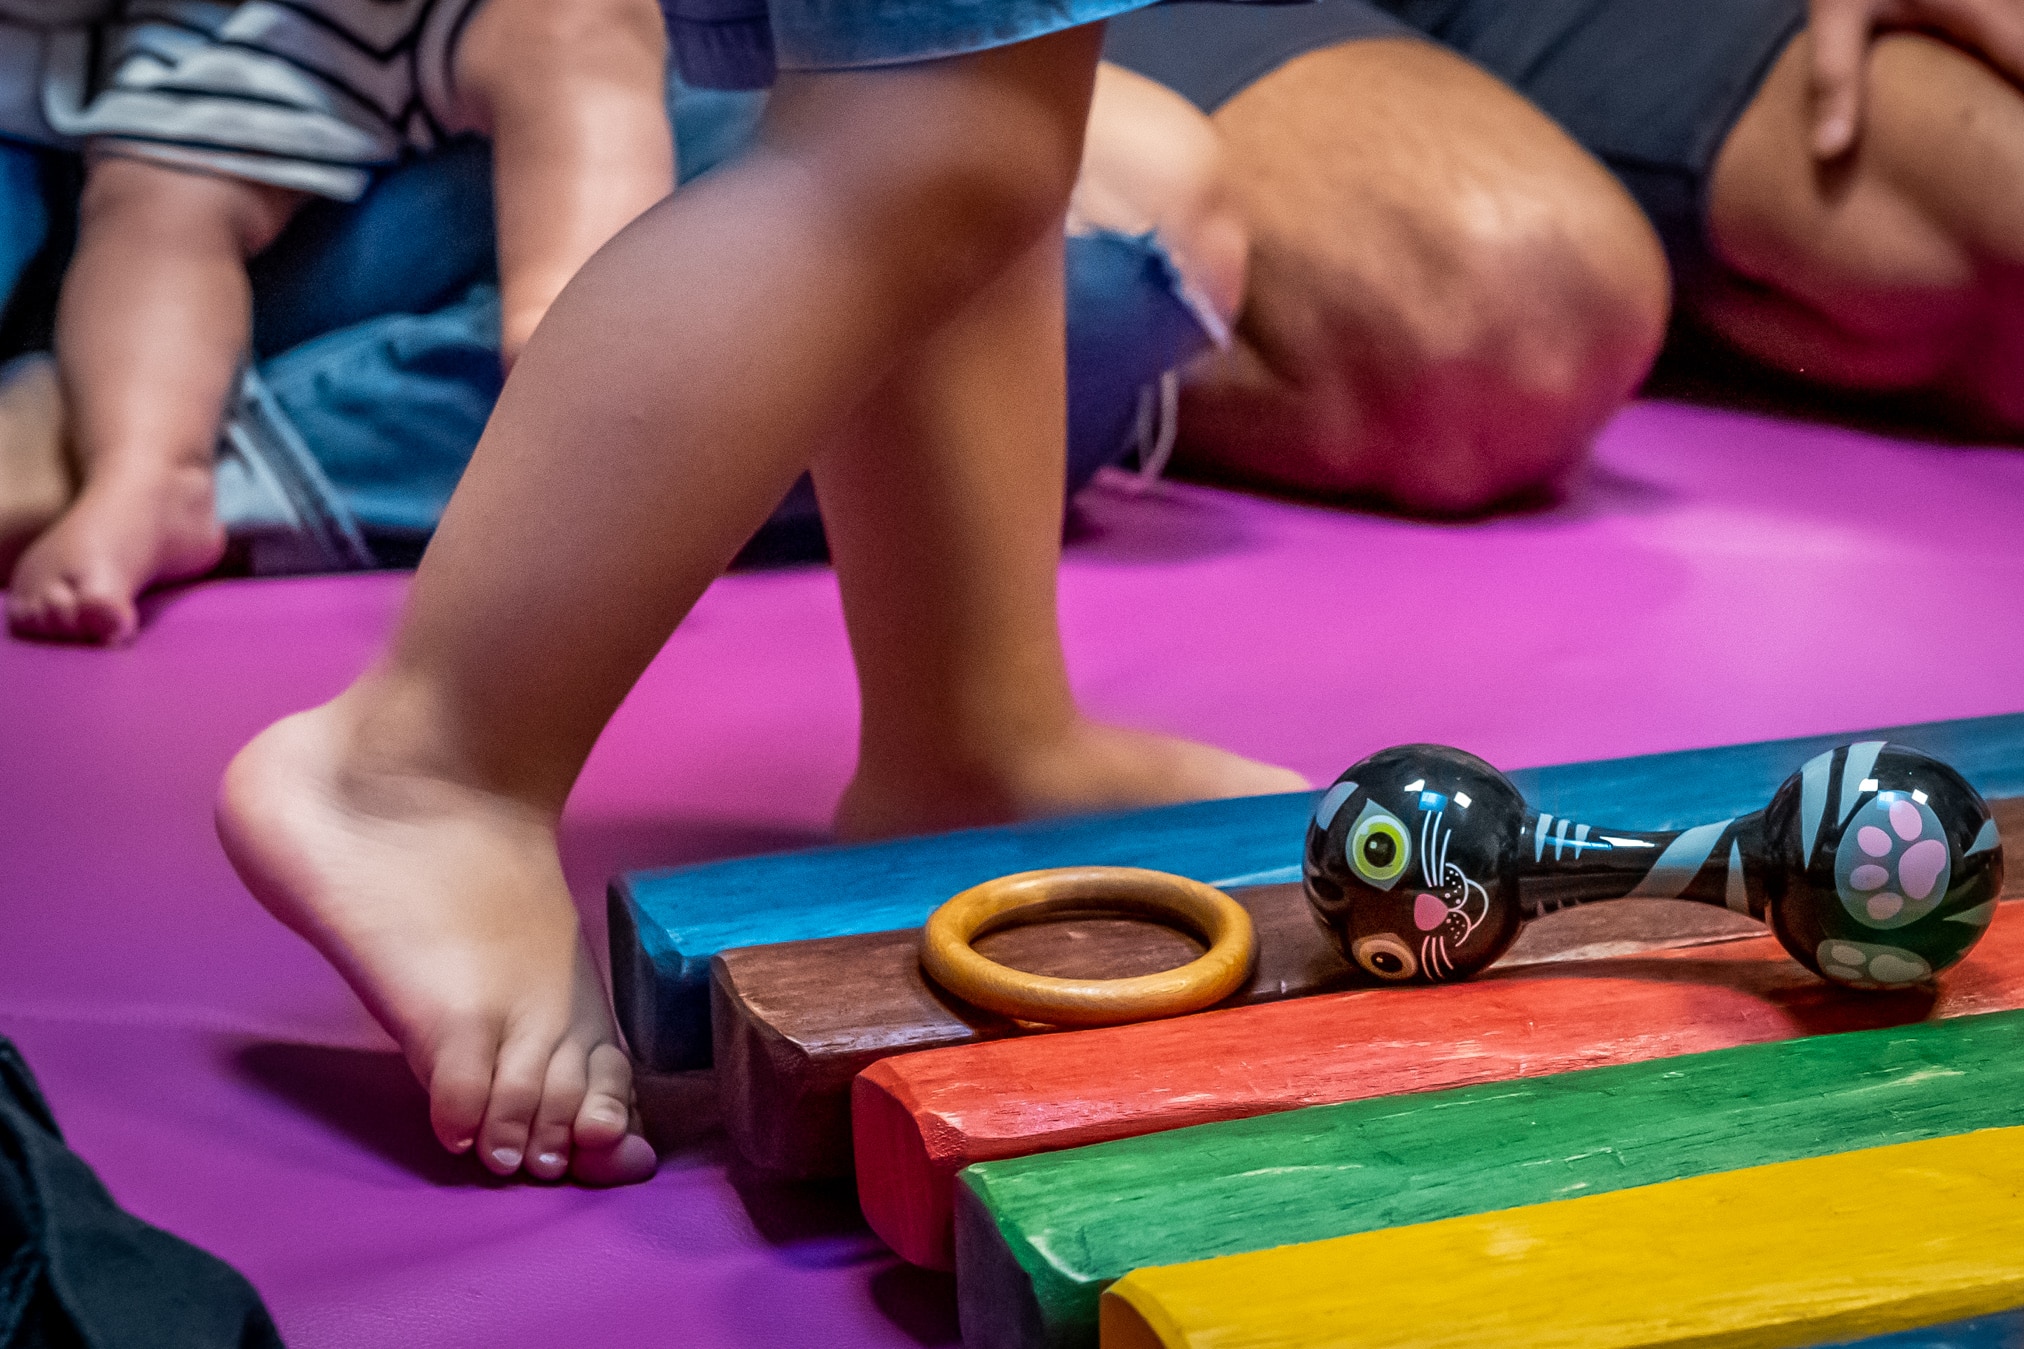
(951, 961)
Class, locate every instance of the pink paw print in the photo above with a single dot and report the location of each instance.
(1893, 865)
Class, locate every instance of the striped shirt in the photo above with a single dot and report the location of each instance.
(306, 94)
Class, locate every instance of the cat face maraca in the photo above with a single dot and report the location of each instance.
(1877, 866)
(1412, 863)
(1883, 865)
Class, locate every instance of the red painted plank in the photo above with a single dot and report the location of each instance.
(920, 1118)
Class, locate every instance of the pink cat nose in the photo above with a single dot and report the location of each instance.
(1429, 913)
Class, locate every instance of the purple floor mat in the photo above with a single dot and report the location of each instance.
(1715, 578)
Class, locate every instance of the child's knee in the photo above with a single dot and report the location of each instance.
(155, 202)
(930, 169)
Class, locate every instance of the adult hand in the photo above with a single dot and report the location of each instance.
(1841, 30)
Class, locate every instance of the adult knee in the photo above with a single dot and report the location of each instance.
(1501, 354)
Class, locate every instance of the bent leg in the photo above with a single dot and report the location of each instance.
(152, 326)
(1897, 268)
(1447, 295)
(675, 389)
(944, 511)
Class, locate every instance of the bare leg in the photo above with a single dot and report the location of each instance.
(153, 322)
(1447, 296)
(666, 402)
(572, 96)
(944, 510)
(1900, 266)
(35, 475)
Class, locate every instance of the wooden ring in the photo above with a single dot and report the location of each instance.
(951, 961)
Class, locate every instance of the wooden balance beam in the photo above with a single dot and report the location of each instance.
(918, 1119)
(1039, 1238)
(666, 925)
(1861, 1242)
(795, 1023)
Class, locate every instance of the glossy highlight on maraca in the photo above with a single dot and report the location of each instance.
(1877, 865)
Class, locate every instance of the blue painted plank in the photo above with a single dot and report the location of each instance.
(2004, 1331)
(665, 925)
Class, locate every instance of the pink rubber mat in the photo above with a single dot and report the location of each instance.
(1715, 578)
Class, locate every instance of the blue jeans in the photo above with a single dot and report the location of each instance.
(376, 344)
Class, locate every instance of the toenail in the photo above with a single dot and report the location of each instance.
(508, 1158)
(609, 1113)
(549, 1161)
(462, 1145)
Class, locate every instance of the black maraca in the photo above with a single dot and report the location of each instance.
(1877, 866)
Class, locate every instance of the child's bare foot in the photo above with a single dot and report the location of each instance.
(445, 909)
(1092, 768)
(130, 528)
(35, 476)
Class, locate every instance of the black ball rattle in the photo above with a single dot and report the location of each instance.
(1876, 865)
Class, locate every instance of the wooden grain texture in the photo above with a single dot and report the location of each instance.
(797, 1021)
(919, 1118)
(1038, 1238)
(1765, 1258)
(666, 925)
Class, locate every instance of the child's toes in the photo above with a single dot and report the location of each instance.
(460, 1087)
(627, 1162)
(609, 1147)
(509, 1116)
(549, 1145)
(606, 1113)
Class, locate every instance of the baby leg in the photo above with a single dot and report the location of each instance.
(944, 513)
(573, 98)
(674, 391)
(35, 481)
(151, 327)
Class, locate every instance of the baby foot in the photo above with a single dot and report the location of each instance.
(35, 480)
(445, 909)
(125, 532)
(1091, 768)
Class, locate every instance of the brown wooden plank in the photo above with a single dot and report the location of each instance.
(793, 1023)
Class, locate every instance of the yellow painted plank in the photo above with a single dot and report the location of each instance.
(1769, 1257)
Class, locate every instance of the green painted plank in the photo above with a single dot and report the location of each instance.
(665, 925)
(1039, 1238)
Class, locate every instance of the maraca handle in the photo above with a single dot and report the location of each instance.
(1563, 862)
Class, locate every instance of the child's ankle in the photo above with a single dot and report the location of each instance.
(398, 727)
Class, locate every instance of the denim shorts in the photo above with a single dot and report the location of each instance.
(740, 44)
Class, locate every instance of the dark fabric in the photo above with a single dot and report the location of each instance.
(1208, 53)
(38, 223)
(78, 1273)
(1650, 87)
(340, 263)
